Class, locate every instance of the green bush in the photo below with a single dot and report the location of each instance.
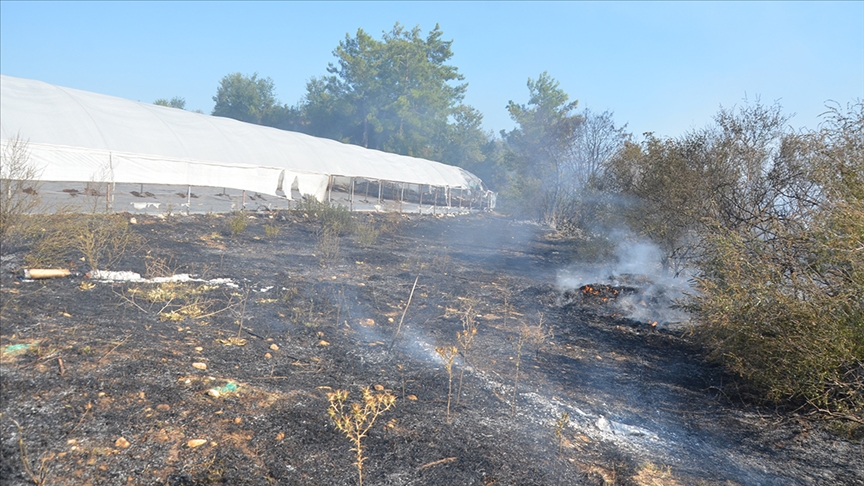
(786, 333)
(271, 230)
(781, 300)
(367, 234)
(336, 219)
(237, 223)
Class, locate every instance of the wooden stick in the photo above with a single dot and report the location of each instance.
(62, 368)
(395, 336)
(112, 349)
(80, 421)
(435, 463)
(36, 273)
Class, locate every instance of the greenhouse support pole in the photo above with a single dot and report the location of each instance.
(351, 197)
(380, 182)
(401, 195)
(243, 205)
(421, 198)
(113, 184)
(188, 199)
(366, 197)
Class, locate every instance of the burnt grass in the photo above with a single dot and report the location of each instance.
(102, 364)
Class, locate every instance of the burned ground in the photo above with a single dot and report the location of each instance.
(86, 363)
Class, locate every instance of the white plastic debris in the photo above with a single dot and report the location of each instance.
(125, 276)
(114, 276)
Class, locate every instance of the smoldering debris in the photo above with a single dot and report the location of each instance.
(633, 286)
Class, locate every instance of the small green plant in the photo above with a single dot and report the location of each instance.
(271, 231)
(367, 234)
(335, 219)
(237, 223)
(356, 421)
(448, 354)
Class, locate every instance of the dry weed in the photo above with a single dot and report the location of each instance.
(358, 418)
(448, 354)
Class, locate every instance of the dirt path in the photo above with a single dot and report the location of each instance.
(92, 362)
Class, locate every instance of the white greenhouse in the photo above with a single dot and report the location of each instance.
(79, 136)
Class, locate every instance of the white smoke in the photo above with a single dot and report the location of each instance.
(637, 264)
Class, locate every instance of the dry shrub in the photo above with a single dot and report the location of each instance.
(356, 420)
(175, 301)
(448, 354)
(561, 425)
(533, 337)
(101, 239)
(19, 187)
(652, 475)
(391, 223)
(327, 246)
(155, 266)
(465, 338)
(776, 322)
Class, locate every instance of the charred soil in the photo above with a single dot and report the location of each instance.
(223, 377)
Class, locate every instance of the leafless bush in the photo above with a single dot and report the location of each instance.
(19, 187)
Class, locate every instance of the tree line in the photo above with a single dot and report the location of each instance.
(770, 219)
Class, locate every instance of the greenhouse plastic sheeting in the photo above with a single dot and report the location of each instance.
(57, 163)
(77, 135)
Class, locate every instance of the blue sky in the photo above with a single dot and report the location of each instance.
(664, 67)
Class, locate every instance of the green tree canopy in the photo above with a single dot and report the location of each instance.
(175, 102)
(540, 146)
(245, 98)
(397, 94)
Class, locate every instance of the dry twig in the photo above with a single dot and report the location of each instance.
(435, 463)
(405, 311)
